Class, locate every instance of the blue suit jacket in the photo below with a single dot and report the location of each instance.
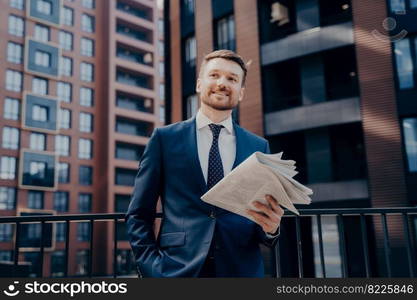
(170, 169)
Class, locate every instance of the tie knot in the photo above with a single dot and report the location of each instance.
(215, 129)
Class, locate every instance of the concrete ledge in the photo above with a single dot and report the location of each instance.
(311, 116)
(342, 190)
(307, 42)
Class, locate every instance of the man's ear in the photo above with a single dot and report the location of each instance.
(198, 85)
(241, 94)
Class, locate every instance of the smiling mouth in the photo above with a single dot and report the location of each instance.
(220, 94)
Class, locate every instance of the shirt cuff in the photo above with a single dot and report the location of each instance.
(273, 235)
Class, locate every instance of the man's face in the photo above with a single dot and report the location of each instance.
(220, 84)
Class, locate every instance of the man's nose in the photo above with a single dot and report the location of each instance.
(221, 81)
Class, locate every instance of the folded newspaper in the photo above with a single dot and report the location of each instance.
(259, 175)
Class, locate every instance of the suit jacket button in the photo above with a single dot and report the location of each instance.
(212, 214)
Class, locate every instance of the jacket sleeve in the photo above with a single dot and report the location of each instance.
(263, 237)
(142, 209)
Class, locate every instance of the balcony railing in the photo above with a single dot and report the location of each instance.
(377, 214)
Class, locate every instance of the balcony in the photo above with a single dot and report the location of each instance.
(381, 221)
(134, 32)
(135, 9)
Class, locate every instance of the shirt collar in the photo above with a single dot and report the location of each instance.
(202, 121)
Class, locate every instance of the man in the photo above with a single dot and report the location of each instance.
(180, 163)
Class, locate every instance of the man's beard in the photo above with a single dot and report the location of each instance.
(229, 105)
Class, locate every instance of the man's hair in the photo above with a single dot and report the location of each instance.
(228, 55)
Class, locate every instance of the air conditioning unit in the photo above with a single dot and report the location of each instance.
(279, 14)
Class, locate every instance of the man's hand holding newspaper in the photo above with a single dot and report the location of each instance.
(244, 189)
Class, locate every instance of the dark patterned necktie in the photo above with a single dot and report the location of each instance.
(215, 166)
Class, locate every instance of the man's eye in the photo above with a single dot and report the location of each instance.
(232, 79)
(213, 75)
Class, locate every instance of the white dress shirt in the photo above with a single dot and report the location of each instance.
(227, 143)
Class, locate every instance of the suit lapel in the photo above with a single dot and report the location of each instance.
(241, 145)
(195, 167)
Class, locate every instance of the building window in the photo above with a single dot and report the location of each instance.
(189, 6)
(161, 48)
(64, 91)
(122, 203)
(14, 81)
(42, 58)
(84, 203)
(14, 53)
(83, 231)
(82, 262)
(37, 169)
(57, 263)
(37, 141)
(10, 138)
(44, 7)
(397, 5)
(7, 198)
(65, 66)
(87, 47)
(192, 105)
(125, 177)
(7, 167)
(18, 4)
(134, 102)
(331, 247)
(40, 113)
(334, 12)
(190, 51)
(11, 109)
(133, 127)
(16, 26)
(42, 33)
(410, 141)
(161, 27)
(126, 263)
(67, 16)
(87, 23)
(60, 232)
(85, 175)
(85, 149)
(86, 97)
(62, 145)
(225, 33)
(161, 91)
(88, 4)
(6, 232)
(134, 79)
(64, 120)
(128, 151)
(35, 199)
(161, 69)
(63, 173)
(32, 236)
(40, 86)
(65, 40)
(61, 201)
(137, 33)
(86, 122)
(87, 72)
(341, 80)
(162, 114)
(404, 61)
(134, 10)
